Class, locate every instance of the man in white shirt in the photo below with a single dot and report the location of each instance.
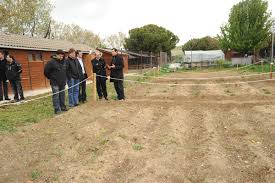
(82, 85)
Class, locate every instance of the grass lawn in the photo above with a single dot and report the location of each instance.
(14, 116)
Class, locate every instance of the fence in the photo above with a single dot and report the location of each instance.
(144, 60)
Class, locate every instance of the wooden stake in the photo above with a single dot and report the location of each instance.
(158, 70)
(271, 68)
(262, 63)
(94, 87)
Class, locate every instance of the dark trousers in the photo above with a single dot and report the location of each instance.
(101, 87)
(17, 89)
(119, 90)
(82, 91)
(58, 98)
(3, 88)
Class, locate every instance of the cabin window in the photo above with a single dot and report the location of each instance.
(35, 57)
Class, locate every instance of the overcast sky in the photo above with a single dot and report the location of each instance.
(186, 18)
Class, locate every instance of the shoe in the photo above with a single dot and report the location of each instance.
(7, 99)
(57, 112)
(64, 110)
(100, 98)
(23, 98)
(76, 105)
(106, 98)
(1, 100)
(16, 100)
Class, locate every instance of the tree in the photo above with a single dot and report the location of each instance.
(116, 40)
(75, 34)
(205, 43)
(151, 38)
(248, 28)
(25, 17)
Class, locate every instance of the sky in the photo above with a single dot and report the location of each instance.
(186, 18)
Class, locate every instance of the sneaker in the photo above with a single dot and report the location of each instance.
(57, 112)
(23, 98)
(7, 99)
(64, 110)
(106, 98)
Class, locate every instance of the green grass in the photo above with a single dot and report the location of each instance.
(35, 174)
(137, 147)
(14, 116)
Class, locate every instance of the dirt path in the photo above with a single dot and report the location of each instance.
(182, 134)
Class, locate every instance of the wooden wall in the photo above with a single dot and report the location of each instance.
(33, 71)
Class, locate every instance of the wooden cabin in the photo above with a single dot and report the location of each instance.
(34, 53)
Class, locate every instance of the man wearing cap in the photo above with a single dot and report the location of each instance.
(55, 71)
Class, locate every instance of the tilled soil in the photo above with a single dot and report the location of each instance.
(162, 134)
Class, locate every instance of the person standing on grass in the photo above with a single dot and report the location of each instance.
(99, 67)
(82, 86)
(55, 71)
(73, 77)
(3, 78)
(13, 73)
(116, 68)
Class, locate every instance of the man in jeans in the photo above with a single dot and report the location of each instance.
(3, 78)
(73, 77)
(55, 71)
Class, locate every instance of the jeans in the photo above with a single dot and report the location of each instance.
(119, 90)
(101, 87)
(73, 92)
(58, 98)
(17, 89)
(3, 88)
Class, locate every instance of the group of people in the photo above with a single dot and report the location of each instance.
(10, 71)
(70, 70)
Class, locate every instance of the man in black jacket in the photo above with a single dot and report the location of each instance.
(73, 77)
(82, 70)
(99, 67)
(116, 68)
(3, 78)
(13, 72)
(55, 71)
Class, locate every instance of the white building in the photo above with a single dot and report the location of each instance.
(203, 56)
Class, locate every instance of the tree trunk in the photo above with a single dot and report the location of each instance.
(47, 35)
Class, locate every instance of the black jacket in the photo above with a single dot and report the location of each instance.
(99, 67)
(55, 71)
(13, 71)
(117, 72)
(3, 70)
(73, 68)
